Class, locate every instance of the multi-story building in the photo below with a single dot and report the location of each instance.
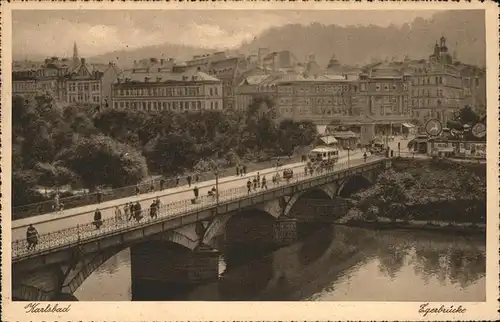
(90, 84)
(436, 85)
(24, 81)
(474, 87)
(156, 90)
(225, 68)
(69, 81)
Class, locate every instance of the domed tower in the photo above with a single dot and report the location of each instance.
(443, 47)
(333, 65)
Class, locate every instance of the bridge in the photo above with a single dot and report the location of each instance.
(177, 246)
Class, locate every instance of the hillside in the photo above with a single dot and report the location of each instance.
(464, 32)
(127, 57)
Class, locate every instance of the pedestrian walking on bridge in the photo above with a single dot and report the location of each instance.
(254, 183)
(97, 218)
(153, 213)
(189, 180)
(137, 189)
(32, 237)
(118, 215)
(249, 186)
(264, 183)
(162, 183)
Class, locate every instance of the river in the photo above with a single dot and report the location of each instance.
(336, 263)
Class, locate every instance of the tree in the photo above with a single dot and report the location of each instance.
(468, 116)
(170, 154)
(100, 160)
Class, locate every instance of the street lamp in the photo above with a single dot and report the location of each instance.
(215, 170)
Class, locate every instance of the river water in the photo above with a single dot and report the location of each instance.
(336, 263)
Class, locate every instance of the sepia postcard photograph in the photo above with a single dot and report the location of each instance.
(250, 161)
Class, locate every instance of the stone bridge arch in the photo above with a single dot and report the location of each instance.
(355, 183)
(52, 281)
(276, 208)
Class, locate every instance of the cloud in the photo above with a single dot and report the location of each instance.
(54, 32)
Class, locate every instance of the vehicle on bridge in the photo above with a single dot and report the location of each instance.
(324, 157)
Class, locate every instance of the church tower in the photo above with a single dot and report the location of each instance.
(76, 59)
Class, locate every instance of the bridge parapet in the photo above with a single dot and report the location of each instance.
(183, 212)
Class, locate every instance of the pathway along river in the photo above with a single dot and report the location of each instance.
(336, 263)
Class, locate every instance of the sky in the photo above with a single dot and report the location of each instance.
(53, 32)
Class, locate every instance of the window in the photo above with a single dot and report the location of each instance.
(216, 105)
(363, 87)
(122, 104)
(116, 104)
(377, 87)
(394, 86)
(127, 104)
(386, 87)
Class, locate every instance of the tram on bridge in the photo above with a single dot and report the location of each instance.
(324, 156)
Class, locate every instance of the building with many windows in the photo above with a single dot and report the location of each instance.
(69, 81)
(90, 83)
(228, 69)
(156, 90)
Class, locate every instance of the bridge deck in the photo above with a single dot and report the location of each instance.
(60, 231)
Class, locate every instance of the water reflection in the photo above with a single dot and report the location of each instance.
(335, 263)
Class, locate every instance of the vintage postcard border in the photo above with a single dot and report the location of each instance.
(177, 311)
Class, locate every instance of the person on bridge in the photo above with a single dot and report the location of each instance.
(254, 183)
(97, 218)
(306, 169)
(189, 180)
(118, 214)
(126, 211)
(244, 170)
(364, 156)
(258, 179)
(152, 187)
(153, 210)
(237, 170)
(177, 181)
(196, 192)
(32, 237)
(249, 186)
(264, 183)
(158, 204)
(138, 211)
(197, 177)
(162, 183)
(137, 189)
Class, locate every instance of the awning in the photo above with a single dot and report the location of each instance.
(408, 125)
(329, 139)
(448, 149)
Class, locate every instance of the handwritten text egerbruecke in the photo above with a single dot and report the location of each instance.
(425, 309)
(46, 308)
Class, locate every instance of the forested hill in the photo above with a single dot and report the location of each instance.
(464, 31)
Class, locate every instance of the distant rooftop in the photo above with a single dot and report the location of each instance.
(166, 76)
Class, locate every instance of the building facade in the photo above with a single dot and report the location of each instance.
(90, 83)
(151, 91)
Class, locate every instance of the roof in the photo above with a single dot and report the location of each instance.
(328, 139)
(168, 76)
(324, 149)
(344, 134)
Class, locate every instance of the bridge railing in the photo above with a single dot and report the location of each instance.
(173, 210)
(152, 185)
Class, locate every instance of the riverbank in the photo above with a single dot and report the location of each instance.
(384, 223)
